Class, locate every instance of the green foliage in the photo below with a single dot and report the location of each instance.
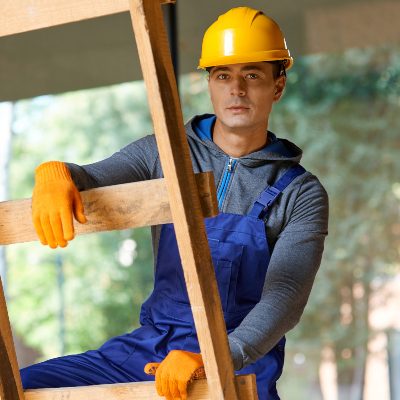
(102, 296)
(342, 110)
(194, 94)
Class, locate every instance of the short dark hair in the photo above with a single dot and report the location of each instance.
(278, 68)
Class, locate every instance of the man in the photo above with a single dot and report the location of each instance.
(266, 243)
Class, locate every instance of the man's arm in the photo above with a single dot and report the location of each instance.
(294, 263)
(135, 162)
(56, 199)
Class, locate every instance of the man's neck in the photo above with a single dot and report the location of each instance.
(239, 142)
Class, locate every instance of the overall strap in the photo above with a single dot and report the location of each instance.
(271, 193)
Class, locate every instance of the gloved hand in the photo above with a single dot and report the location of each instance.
(55, 201)
(175, 372)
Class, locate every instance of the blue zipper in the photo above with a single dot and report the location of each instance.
(230, 166)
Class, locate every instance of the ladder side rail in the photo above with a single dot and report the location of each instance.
(175, 159)
(10, 380)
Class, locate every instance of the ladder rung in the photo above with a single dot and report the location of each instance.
(112, 207)
(198, 390)
(27, 15)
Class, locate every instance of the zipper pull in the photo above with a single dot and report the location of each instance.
(230, 164)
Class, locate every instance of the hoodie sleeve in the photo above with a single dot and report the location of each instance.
(294, 263)
(135, 162)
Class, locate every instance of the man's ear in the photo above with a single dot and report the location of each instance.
(280, 84)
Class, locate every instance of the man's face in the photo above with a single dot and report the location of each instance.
(242, 94)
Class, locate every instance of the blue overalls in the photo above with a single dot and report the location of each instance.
(240, 253)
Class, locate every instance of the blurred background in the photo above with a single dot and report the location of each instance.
(73, 93)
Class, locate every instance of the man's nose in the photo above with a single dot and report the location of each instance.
(238, 87)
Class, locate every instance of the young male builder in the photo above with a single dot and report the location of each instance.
(266, 243)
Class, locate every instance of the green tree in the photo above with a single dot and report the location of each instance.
(342, 109)
(79, 127)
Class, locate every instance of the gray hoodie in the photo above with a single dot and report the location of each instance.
(296, 225)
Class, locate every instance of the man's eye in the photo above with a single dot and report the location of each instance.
(252, 76)
(222, 77)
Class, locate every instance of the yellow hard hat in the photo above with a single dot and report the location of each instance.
(243, 35)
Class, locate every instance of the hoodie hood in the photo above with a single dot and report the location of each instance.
(200, 129)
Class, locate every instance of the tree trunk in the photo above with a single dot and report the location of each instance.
(394, 363)
(361, 351)
(352, 368)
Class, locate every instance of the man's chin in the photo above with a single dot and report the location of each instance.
(237, 122)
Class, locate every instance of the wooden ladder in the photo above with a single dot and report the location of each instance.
(181, 198)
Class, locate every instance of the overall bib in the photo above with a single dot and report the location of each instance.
(240, 253)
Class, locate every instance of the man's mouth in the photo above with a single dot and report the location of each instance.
(238, 108)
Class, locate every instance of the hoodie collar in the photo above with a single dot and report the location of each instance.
(200, 128)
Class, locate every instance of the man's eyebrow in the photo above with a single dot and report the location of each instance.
(251, 68)
(222, 68)
(245, 68)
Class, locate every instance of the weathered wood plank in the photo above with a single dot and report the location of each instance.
(198, 390)
(185, 206)
(18, 16)
(10, 381)
(108, 208)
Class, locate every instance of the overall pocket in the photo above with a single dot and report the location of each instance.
(226, 259)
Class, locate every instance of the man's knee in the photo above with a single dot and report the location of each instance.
(49, 374)
(32, 378)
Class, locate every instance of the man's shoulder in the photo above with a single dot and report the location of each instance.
(144, 144)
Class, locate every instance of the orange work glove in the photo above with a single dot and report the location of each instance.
(173, 374)
(55, 201)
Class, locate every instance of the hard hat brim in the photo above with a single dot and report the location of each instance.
(276, 55)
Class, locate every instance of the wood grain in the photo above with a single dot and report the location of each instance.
(197, 390)
(108, 208)
(10, 381)
(173, 148)
(18, 16)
